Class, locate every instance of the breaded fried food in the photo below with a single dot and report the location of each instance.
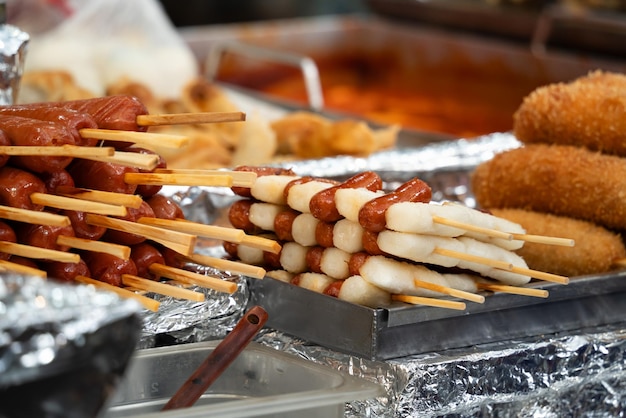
(558, 179)
(595, 251)
(589, 111)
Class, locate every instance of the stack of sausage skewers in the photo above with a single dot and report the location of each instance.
(79, 199)
(359, 243)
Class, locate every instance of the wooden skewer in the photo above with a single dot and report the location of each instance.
(148, 303)
(474, 258)
(177, 241)
(129, 200)
(439, 303)
(524, 291)
(161, 288)
(20, 268)
(57, 151)
(261, 243)
(209, 180)
(240, 178)
(202, 230)
(474, 228)
(69, 203)
(541, 275)
(33, 216)
(119, 251)
(473, 297)
(190, 118)
(130, 159)
(540, 239)
(143, 138)
(29, 251)
(228, 265)
(190, 277)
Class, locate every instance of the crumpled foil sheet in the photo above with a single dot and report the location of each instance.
(577, 374)
(62, 346)
(13, 46)
(580, 373)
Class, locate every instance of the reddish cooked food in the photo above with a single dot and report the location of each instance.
(356, 262)
(4, 141)
(370, 243)
(43, 236)
(260, 171)
(164, 207)
(17, 185)
(109, 268)
(333, 288)
(147, 190)
(322, 204)
(81, 228)
(314, 259)
(324, 234)
(7, 234)
(72, 119)
(239, 216)
(32, 132)
(101, 176)
(125, 238)
(66, 271)
(57, 179)
(283, 223)
(372, 214)
(144, 255)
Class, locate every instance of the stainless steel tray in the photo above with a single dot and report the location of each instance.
(401, 330)
(260, 382)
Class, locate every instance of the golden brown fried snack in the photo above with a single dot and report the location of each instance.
(558, 179)
(595, 251)
(589, 112)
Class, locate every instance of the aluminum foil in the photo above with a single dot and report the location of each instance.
(13, 45)
(63, 347)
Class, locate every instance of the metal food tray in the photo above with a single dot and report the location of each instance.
(260, 382)
(400, 329)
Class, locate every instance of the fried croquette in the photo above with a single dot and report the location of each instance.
(558, 179)
(589, 111)
(595, 251)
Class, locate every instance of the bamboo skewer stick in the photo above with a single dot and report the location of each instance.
(57, 151)
(473, 228)
(240, 178)
(261, 243)
(438, 303)
(474, 258)
(22, 269)
(141, 138)
(209, 180)
(117, 250)
(33, 216)
(129, 200)
(473, 297)
(190, 118)
(178, 241)
(228, 265)
(541, 275)
(148, 303)
(69, 203)
(161, 288)
(190, 277)
(201, 230)
(130, 159)
(29, 251)
(524, 291)
(540, 239)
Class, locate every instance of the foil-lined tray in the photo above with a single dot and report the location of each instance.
(512, 356)
(400, 330)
